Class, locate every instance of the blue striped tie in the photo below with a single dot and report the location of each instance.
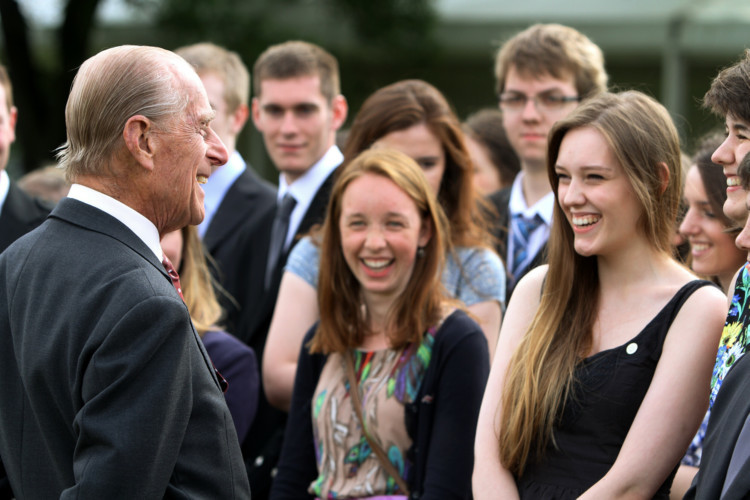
(522, 228)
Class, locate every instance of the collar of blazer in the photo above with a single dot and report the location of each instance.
(84, 215)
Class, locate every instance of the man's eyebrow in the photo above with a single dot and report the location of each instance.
(208, 116)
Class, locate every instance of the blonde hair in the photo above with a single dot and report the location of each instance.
(342, 325)
(197, 283)
(643, 139)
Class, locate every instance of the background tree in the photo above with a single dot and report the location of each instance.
(365, 35)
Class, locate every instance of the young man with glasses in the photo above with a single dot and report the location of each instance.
(542, 74)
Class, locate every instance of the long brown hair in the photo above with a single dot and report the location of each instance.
(342, 325)
(402, 105)
(643, 138)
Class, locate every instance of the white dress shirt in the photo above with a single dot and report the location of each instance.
(305, 188)
(4, 187)
(140, 225)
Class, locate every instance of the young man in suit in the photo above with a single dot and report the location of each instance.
(724, 466)
(107, 391)
(19, 212)
(237, 199)
(298, 107)
(542, 74)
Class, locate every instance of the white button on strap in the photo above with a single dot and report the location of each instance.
(631, 348)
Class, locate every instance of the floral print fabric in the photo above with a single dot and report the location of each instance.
(734, 338)
(732, 346)
(388, 379)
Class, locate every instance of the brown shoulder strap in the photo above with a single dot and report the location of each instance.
(382, 457)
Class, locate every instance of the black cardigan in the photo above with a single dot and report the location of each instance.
(441, 422)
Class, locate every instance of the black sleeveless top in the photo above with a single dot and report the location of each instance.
(608, 390)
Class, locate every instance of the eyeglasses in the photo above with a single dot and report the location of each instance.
(513, 101)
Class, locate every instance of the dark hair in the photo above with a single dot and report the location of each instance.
(486, 127)
(294, 59)
(404, 104)
(555, 50)
(712, 176)
(730, 91)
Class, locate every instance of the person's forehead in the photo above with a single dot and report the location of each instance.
(520, 80)
(734, 122)
(298, 89)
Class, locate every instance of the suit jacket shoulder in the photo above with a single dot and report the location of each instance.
(246, 200)
(20, 214)
(109, 346)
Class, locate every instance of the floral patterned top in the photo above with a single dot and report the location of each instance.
(732, 346)
(388, 379)
(734, 338)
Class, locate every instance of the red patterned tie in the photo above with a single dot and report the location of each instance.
(175, 279)
(173, 276)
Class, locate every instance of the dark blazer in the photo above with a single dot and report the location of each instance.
(729, 416)
(238, 365)
(248, 202)
(20, 214)
(107, 390)
(263, 445)
(500, 200)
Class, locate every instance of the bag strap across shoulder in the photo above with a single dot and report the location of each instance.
(374, 445)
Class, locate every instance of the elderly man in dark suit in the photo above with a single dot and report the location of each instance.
(106, 389)
(19, 213)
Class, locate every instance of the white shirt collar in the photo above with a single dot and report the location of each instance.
(217, 186)
(305, 188)
(4, 187)
(136, 222)
(517, 204)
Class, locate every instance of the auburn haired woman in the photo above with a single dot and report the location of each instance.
(390, 380)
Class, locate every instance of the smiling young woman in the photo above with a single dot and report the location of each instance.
(389, 382)
(588, 394)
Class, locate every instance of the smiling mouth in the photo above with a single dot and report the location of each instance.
(202, 179)
(733, 181)
(585, 220)
(377, 265)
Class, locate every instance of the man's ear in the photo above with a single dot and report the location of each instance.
(664, 176)
(339, 109)
(139, 140)
(239, 118)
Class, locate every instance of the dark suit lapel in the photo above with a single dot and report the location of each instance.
(240, 199)
(89, 217)
(315, 214)
(20, 214)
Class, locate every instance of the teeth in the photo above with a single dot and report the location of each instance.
(202, 179)
(699, 247)
(376, 264)
(585, 220)
(733, 181)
